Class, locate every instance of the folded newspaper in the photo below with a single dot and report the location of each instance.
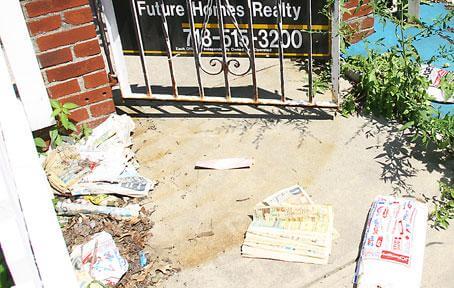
(288, 226)
(102, 164)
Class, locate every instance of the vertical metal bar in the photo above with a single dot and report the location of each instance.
(252, 48)
(165, 29)
(195, 49)
(225, 67)
(138, 34)
(102, 30)
(335, 51)
(281, 49)
(311, 80)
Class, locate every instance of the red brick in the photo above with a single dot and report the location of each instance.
(45, 25)
(37, 8)
(63, 89)
(354, 3)
(362, 11)
(360, 36)
(353, 27)
(95, 80)
(79, 115)
(90, 97)
(67, 37)
(367, 23)
(104, 108)
(80, 16)
(87, 48)
(95, 123)
(75, 69)
(55, 57)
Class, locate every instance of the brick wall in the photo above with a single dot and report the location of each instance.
(360, 20)
(69, 53)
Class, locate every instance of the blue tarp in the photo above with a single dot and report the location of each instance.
(427, 47)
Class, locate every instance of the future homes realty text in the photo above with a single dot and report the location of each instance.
(259, 9)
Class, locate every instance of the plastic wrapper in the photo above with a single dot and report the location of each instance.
(392, 251)
(100, 258)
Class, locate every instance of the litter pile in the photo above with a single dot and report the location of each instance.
(289, 226)
(103, 164)
(132, 238)
(98, 193)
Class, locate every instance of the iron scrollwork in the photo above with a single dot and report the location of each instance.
(220, 65)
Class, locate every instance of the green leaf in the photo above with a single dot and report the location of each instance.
(53, 135)
(71, 126)
(55, 112)
(64, 121)
(407, 125)
(70, 106)
(58, 140)
(55, 104)
(39, 142)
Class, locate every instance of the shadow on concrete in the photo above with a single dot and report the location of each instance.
(397, 150)
(144, 108)
(241, 92)
(259, 118)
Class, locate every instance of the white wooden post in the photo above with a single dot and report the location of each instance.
(32, 189)
(116, 48)
(14, 237)
(24, 65)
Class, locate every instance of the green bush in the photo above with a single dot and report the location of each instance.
(444, 207)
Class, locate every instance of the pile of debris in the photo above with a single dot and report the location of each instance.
(132, 237)
(289, 226)
(102, 164)
(98, 200)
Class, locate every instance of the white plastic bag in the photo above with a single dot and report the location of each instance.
(392, 251)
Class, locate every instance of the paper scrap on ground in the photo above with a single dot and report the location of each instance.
(289, 226)
(392, 251)
(69, 209)
(100, 258)
(225, 164)
(103, 164)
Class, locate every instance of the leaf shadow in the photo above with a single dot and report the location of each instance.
(397, 151)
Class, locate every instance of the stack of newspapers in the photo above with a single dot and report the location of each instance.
(288, 226)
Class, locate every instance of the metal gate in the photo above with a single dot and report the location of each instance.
(223, 64)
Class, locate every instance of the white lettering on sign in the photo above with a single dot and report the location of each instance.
(258, 10)
(200, 10)
(288, 11)
(155, 10)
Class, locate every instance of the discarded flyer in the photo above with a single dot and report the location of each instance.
(100, 258)
(129, 183)
(102, 164)
(225, 164)
(288, 226)
(435, 76)
(294, 195)
(392, 251)
(65, 208)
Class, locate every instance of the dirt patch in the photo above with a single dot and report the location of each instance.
(202, 213)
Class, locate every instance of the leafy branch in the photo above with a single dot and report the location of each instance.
(63, 127)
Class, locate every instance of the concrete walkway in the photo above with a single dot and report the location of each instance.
(201, 215)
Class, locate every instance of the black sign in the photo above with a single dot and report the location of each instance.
(295, 37)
